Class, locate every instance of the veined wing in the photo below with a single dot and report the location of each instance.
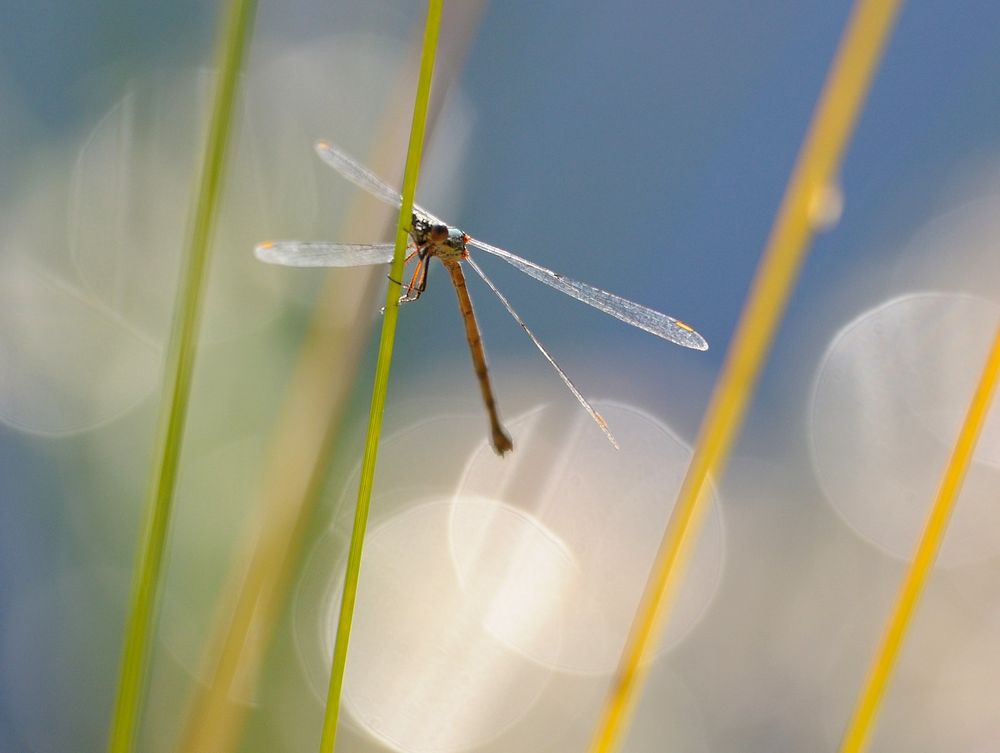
(309, 254)
(598, 418)
(361, 176)
(628, 311)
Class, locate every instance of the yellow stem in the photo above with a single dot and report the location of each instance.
(816, 170)
(870, 697)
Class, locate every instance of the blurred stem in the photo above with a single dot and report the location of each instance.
(236, 31)
(816, 169)
(420, 107)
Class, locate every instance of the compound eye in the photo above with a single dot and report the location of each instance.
(440, 229)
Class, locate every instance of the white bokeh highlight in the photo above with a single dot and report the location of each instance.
(609, 508)
(68, 363)
(888, 401)
(423, 676)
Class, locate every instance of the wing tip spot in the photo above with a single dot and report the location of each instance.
(606, 429)
(263, 251)
(700, 343)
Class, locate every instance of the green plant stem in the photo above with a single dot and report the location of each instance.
(132, 681)
(420, 105)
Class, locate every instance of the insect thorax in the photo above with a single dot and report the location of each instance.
(440, 240)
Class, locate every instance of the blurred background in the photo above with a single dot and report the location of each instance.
(643, 147)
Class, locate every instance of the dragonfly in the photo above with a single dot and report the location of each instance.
(432, 237)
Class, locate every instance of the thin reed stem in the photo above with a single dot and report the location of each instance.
(871, 694)
(420, 107)
(815, 171)
(236, 32)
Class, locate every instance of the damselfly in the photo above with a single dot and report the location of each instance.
(430, 237)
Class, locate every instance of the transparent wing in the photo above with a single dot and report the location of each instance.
(628, 311)
(598, 418)
(361, 176)
(307, 254)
